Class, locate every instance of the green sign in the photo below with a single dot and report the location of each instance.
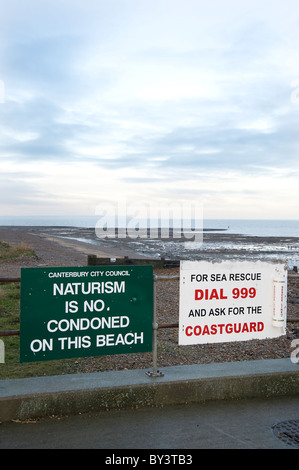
(83, 312)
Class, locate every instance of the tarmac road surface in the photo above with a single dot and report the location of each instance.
(240, 424)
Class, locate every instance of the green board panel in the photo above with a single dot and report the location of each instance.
(86, 311)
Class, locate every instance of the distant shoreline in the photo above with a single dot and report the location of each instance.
(85, 239)
(58, 227)
(248, 227)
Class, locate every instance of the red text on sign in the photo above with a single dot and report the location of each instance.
(222, 328)
(218, 294)
(208, 294)
(244, 293)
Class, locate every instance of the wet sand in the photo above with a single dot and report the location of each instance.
(51, 250)
(70, 246)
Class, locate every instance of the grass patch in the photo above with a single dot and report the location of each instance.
(18, 251)
(10, 320)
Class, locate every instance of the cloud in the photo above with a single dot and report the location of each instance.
(15, 191)
(128, 96)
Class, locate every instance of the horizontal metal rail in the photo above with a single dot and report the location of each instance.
(167, 278)
(10, 333)
(176, 325)
(6, 280)
(158, 327)
(168, 325)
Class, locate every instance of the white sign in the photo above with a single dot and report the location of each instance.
(231, 301)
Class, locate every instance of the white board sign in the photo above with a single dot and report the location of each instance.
(229, 301)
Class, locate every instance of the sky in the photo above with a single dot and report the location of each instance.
(187, 101)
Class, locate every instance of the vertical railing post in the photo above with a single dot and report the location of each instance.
(2, 352)
(155, 372)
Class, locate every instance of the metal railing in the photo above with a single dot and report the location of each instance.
(6, 280)
(156, 326)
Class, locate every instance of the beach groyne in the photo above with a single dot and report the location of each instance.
(162, 263)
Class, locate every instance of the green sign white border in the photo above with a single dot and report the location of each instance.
(69, 312)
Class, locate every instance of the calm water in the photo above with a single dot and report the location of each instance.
(264, 228)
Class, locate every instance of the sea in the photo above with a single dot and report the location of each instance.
(222, 238)
(251, 227)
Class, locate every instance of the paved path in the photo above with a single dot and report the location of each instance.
(245, 424)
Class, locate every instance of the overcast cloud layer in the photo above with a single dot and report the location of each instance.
(168, 100)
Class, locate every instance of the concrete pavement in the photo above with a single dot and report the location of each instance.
(221, 424)
(22, 399)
